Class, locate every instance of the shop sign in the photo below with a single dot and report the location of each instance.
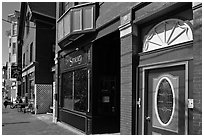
(75, 59)
(15, 71)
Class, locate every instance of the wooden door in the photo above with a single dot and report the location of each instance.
(165, 101)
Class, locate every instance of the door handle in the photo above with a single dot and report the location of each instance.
(148, 119)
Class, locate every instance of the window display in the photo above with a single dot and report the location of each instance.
(75, 85)
(80, 90)
(67, 90)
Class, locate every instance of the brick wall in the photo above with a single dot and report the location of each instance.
(197, 62)
(111, 10)
(126, 86)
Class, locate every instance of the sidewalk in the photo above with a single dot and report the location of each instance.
(18, 123)
(48, 119)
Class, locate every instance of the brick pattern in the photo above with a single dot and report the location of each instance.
(126, 109)
(126, 86)
(197, 78)
(43, 98)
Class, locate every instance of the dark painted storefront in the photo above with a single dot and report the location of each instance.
(89, 97)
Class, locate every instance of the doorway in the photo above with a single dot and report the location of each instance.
(106, 84)
(165, 99)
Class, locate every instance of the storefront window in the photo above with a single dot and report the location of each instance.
(32, 89)
(80, 90)
(75, 99)
(67, 90)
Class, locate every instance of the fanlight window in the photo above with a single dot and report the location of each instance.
(167, 33)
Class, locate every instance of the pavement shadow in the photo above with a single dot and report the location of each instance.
(3, 124)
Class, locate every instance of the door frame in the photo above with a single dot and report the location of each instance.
(163, 65)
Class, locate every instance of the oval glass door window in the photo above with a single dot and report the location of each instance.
(164, 101)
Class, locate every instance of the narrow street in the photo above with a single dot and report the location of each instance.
(19, 123)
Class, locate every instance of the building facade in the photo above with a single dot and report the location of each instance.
(36, 39)
(12, 56)
(129, 67)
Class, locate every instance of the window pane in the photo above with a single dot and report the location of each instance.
(67, 24)
(88, 18)
(9, 57)
(67, 84)
(14, 29)
(80, 90)
(167, 33)
(60, 30)
(165, 101)
(76, 20)
(14, 48)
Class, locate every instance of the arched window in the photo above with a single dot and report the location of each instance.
(167, 33)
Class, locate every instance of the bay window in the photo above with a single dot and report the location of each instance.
(77, 19)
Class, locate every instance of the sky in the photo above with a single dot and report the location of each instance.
(7, 8)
